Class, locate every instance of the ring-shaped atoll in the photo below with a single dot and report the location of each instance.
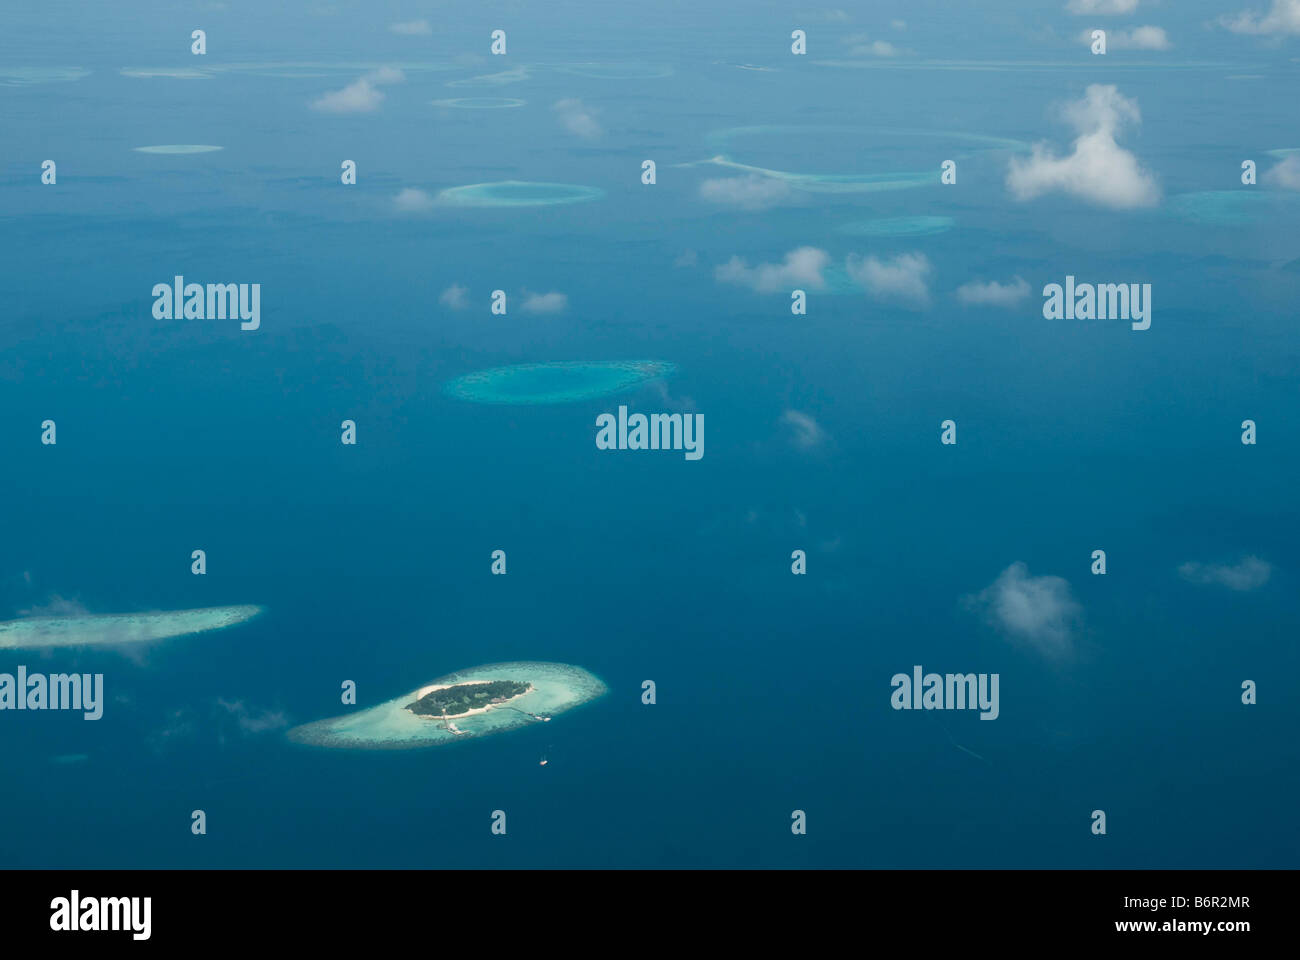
(317, 70)
(514, 75)
(839, 183)
(517, 193)
(632, 70)
(32, 76)
(480, 103)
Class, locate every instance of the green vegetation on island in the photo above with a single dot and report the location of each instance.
(463, 697)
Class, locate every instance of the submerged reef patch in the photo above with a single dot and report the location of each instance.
(897, 227)
(178, 149)
(119, 628)
(560, 382)
(480, 103)
(1232, 208)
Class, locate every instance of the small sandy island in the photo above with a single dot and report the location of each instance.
(543, 692)
(492, 704)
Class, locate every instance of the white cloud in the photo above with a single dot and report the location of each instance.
(802, 268)
(1102, 6)
(805, 432)
(861, 45)
(412, 200)
(1098, 170)
(669, 401)
(1036, 611)
(752, 192)
(1145, 38)
(545, 303)
(57, 606)
(1282, 18)
(253, 721)
(687, 258)
(578, 119)
(898, 24)
(1139, 38)
(876, 48)
(1250, 573)
(455, 296)
(360, 96)
(412, 28)
(902, 278)
(993, 294)
(1286, 174)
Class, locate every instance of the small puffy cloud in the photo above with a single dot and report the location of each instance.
(1283, 17)
(545, 303)
(861, 45)
(1250, 573)
(1117, 7)
(805, 432)
(878, 48)
(898, 24)
(1038, 612)
(752, 192)
(252, 721)
(360, 96)
(1286, 174)
(179, 727)
(577, 118)
(670, 401)
(56, 606)
(456, 297)
(687, 258)
(902, 278)
(412, 200)
(1145, 38)
(1139, 38)
(412, 28)
(993, 294)
(1098, 170)
(802, 268)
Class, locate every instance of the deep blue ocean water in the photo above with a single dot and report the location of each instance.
(773, 690)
